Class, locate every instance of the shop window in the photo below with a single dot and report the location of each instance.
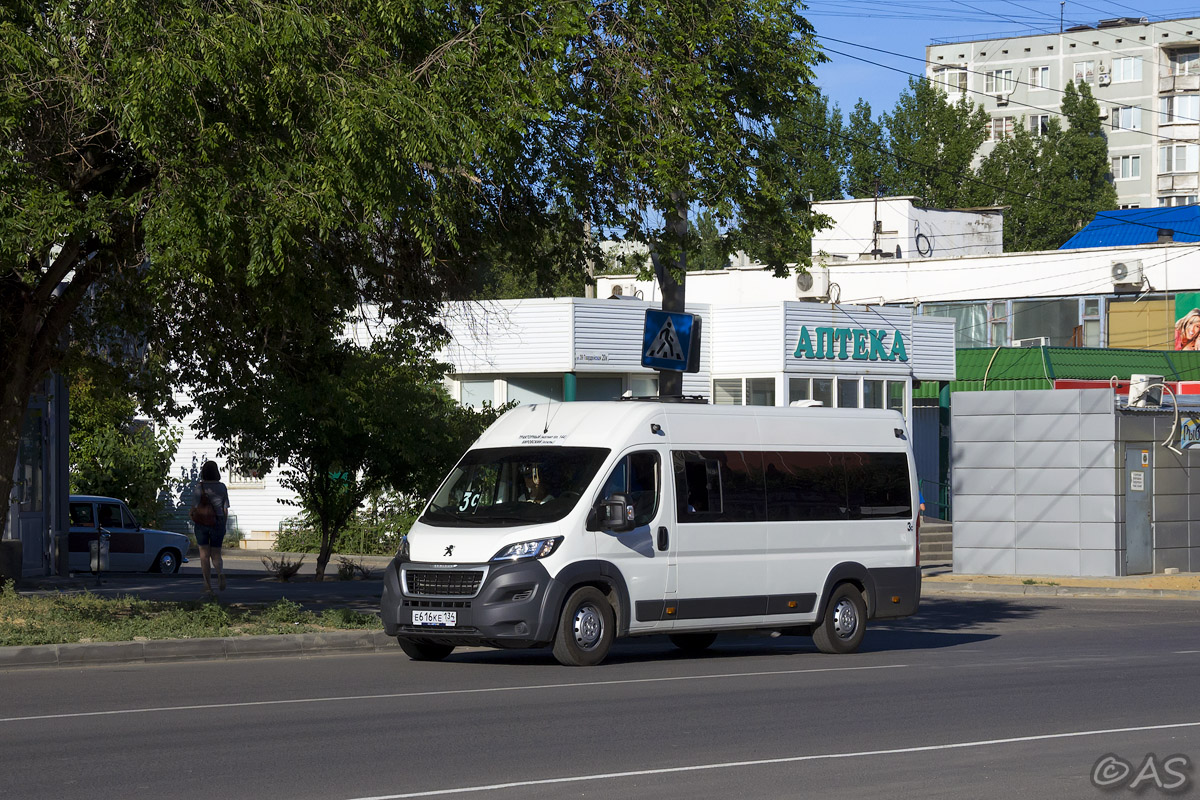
(727, 392)
(970, 321)
(847, 392)
(895, 395)
(527, 391)
(597, 388)
(872, 393)
(1057, 320)
(477, 392)
(799, 389)
(822, 391)
(760, 391)
(643, 386)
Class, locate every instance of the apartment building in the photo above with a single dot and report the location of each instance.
(1145, 75)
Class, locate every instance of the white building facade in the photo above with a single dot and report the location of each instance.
(1145, 75)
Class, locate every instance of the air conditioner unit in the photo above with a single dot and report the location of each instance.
(813, 284)
(1104, 79)
(1145, 390)
(1103, 112)
(1034, 341)
(1001, 99)
(1127, 275)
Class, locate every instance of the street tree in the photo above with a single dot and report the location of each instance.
(932, 145)
(338, 154)
(866, 153)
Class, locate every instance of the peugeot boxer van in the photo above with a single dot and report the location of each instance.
(568, 525)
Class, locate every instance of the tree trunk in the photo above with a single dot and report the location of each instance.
(326, 550)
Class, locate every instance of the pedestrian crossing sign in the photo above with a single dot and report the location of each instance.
(671, 341)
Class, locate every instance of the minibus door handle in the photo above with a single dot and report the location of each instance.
(663, 539)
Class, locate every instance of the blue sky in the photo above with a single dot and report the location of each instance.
(905, 27)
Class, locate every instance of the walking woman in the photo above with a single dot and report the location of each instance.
(210, 513)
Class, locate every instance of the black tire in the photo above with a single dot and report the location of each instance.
(166, 562)
(692, 642)
(424, 651)
(844, 624)
(586, 629)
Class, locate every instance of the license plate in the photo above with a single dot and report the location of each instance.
(441, 618)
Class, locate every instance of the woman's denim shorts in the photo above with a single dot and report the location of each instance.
(211, 535)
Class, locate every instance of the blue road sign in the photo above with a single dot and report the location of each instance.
(671, 341)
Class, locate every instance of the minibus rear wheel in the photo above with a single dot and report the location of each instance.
(424, 651)
(845, 621)
(585, 629)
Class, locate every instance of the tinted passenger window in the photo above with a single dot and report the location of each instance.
(719, 486)
(806, 486)
(878, 485)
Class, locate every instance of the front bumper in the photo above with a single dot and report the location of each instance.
(515, 606)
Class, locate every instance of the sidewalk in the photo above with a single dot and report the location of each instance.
(939, 579)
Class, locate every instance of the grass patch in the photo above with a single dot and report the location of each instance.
(85, 617)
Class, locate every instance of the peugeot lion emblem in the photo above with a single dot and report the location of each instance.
(449, 550)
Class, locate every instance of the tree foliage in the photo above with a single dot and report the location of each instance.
(341, 151)
(112, 452)
(1053, 184)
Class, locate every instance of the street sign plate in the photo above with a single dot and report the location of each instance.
(671, 341)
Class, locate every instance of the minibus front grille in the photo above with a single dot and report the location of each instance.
(443, 583)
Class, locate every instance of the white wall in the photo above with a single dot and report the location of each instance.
(1053, 273)
(945, 233)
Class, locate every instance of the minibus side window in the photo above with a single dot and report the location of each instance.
(879, 487)
(719, 486)
(806, 486)
(636, 476)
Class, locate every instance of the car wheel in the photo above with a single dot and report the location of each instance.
(845, 621)
(585, 629)
(424, 651)
(692, 642)
(167, 562)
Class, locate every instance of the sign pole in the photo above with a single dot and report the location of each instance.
(670, 383)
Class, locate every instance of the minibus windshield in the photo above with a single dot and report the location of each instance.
(514, 486)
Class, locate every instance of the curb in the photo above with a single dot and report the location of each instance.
(158, 651)
(1035, 590)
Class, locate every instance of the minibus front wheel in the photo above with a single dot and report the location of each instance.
(586, 629)
(424, 651)
(842, 628)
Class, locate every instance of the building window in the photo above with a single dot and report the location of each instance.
(643, 386)
(1039, 124)
(998, 323)
(1177, 158)
(1180, 108)
(1085, 71)
(999, 81)
(1091, 322)
(474, 393)
(528, 391)
(1002, 128)
(1177, 200)
(1124, 206)
(1126, 167)
(799, 389)
(952, 81)
(847, 392)
(1057, 320)
(895, 395)
(872, 393)
(1039, 77)
(598, 387)
(727, 392)
(970, 321)
(822, 391)
(1127, 69)
(1127, 118)
(760, 391)
(1185, 61)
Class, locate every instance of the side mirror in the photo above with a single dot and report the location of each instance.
(615, 514)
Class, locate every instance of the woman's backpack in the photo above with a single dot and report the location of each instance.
(203, 512)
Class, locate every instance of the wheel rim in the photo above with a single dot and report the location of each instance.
(166, 562)
(845, 619)
(588, 626)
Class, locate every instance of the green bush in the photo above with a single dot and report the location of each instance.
(364, 536)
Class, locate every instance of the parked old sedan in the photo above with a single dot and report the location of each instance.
(132, 548)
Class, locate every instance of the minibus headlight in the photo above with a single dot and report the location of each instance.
(402, 551)
(538, 548)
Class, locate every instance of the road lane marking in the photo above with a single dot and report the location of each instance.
(772, 761)
(444, 692)
(1185, 652)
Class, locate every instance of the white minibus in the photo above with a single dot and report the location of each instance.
(568, 525)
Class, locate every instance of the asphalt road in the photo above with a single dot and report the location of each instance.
(973, 698)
